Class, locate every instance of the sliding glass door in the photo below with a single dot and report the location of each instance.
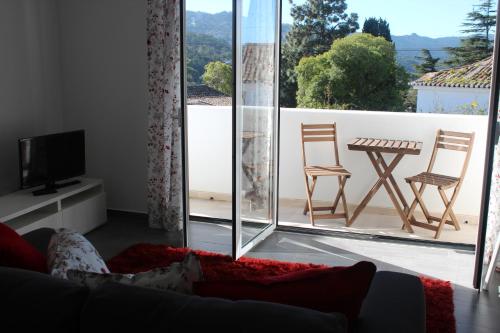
(255, 124)
(488, 243)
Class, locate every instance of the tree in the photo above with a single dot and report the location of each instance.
(316, 24)
(479, 24)
(378, 28)
(202, 49)
(358, 72)
(219, 76)
(427, 62)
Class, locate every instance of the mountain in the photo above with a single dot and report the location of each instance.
(217, 25)
(408, 48)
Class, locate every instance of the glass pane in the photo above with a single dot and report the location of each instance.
(257, 107)
(208, 57)
(492, 240)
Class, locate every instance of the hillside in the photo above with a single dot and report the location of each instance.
(219, 26)
(408, 48)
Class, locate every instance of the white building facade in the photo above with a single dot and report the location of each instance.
(460, 90)
(452, 100)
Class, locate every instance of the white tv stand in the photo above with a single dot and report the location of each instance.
(81, 207)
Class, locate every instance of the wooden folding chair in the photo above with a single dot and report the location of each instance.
(457, 141)
(323, 133)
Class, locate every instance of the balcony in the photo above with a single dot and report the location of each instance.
(209, 131)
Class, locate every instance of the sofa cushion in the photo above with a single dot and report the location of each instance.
(36, 302)
(334, 289)
(70, 250)
(179, 276)
(119, 308)
(17, 252)
(395, 303)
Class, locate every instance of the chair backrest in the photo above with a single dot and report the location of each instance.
(319, 133)
(457, 141)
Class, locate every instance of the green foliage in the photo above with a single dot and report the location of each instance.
(219, 76)
(317, 23)
(479, 24)
(410, 100)
(378, 28)
(427, 62)
(358, 72)
(202, 49)
(472, 108)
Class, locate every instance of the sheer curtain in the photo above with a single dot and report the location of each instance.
(164, 185)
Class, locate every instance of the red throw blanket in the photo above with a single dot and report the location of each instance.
(143, 257)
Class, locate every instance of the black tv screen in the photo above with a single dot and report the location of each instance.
(49, 158)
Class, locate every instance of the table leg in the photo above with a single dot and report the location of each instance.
(394, 183)
(376, 186)
(383, 174)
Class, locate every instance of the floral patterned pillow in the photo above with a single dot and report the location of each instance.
(70, 250)
(179, 276)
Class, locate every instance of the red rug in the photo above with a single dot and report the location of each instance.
(143, 257)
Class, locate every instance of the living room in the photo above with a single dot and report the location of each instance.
(69, 65)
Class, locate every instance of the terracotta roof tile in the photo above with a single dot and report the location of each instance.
(476, 75)
(258, 62)
(201, 94)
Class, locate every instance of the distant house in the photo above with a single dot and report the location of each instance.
(463, 89)
(258, 74)
(200, 94)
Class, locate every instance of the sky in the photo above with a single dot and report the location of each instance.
(430, 18)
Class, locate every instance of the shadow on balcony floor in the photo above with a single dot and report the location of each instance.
(372, 221)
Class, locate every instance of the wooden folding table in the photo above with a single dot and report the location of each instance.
(374, 148)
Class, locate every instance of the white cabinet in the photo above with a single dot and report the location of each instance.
(81, 207)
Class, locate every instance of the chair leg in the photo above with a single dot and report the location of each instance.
(419, 202)
(416, 201)
(337, 197)
(306, 208)
(309, 198)
(453, 217)
(344, 201)
(452, 214)
(442, 222)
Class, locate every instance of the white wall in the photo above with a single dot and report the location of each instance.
(30, 86)
(210, 152)
(103, 47)
(451, 100)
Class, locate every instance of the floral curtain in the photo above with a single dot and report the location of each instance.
(493, 227)
(164, 126)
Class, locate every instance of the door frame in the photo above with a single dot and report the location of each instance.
(184, 125)
(239, 249)
(489, 158)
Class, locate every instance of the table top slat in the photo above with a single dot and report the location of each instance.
(385, 146)
(353, 141)
(360, 141)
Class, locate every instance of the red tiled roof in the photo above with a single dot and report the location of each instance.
(476, 75)
(258, 62)
(201, 94)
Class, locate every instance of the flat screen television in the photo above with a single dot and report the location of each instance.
(44, 160)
